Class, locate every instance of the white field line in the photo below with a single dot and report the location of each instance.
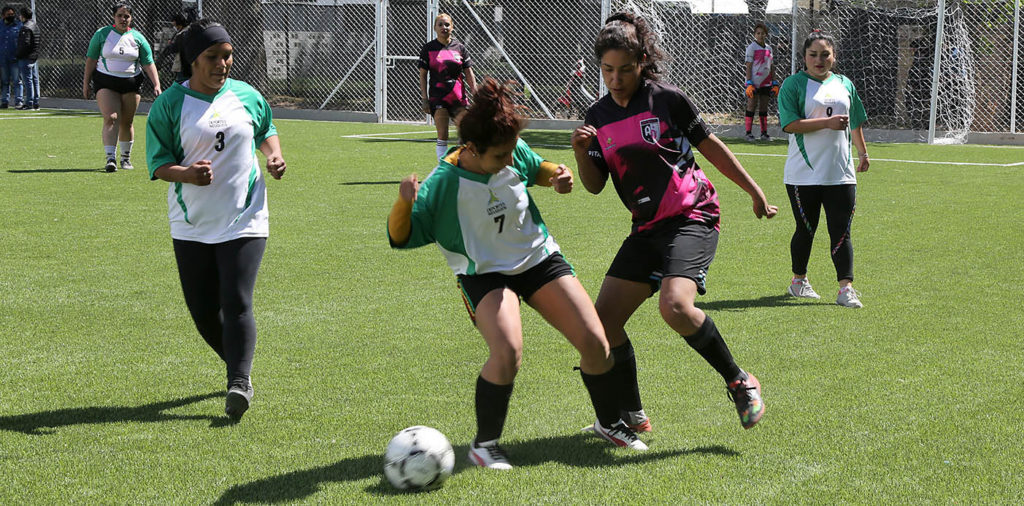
(768, 155)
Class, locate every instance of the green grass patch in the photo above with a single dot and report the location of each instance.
(110, 396)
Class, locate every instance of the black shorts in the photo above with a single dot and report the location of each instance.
(440, 103)
(117, 84)
(684, 248)
(524, 284)
(767, 91)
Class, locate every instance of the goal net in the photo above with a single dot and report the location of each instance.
(886, 48)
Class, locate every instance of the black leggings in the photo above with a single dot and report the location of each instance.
(840, 202)
(218, 281)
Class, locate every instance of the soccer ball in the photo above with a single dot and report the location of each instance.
(418, 458)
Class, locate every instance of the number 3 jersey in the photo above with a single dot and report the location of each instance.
(185, 126)
(821, 157)
(646, 147)
(482, 223)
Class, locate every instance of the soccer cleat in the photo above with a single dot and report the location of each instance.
(747, 396)
(35, 107)
(644, 426)
(111, 165)
(848, 297)
(126, 164)
(237, 401)
(800, 287)
(749, 137)
(621, 435)
(490, 455)
(25, 107)
(637, 420)
(765, 137)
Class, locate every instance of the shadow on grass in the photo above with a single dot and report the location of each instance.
(44, 171)
(351, 183)
(579, 450)
(766, 301)
(45, 422)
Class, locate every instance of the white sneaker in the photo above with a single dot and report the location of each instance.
(488, 454)
(848, 297)
(800, 287)
(620, 435)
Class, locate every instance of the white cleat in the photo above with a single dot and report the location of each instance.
(800, 287)
(490, 455)
(848, 297)
(620, 435)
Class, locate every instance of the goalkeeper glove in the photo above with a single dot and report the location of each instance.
(775, 88)
(750, 88)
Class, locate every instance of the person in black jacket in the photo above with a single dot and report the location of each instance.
(28, 55)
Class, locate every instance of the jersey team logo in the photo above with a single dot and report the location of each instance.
(650, 130)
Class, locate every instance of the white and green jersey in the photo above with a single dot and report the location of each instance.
(482, 222)
(822, 157)
(186, 126)
(119, 54)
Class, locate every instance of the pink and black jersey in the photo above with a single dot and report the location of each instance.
(646, 148)
(444, 65)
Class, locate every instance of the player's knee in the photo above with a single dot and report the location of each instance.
(593, 347)
(508, 357)
(110, 119)
(680, 314)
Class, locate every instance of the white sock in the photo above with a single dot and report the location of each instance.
(442, 147)
(126, 149)
(110, 151)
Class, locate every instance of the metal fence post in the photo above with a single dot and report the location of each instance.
(1013, 85)
(380, 98)
(935, 71)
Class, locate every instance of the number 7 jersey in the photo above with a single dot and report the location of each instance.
(185, 126)
(482, 223)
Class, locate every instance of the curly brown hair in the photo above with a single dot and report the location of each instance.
(492, 119)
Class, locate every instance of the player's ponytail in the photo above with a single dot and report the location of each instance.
(492, 119)
(631, 33)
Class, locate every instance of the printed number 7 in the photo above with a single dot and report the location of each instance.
(500, 220)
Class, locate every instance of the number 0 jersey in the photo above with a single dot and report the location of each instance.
(119, 54)
(185, 126)
(482, 223)
(821, 157)
(646, 147)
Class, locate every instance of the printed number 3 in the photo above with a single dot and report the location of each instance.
(220, 142)
(500, 220)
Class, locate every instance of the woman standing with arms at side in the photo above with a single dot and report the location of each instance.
(822, 113)
(116, 58)
(476, 207)
(445, 60)
(202, 137)
(641, 134)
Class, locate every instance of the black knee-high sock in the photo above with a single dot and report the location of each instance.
(625, 371)
(491, 408)
(709, 343)
(603, 394)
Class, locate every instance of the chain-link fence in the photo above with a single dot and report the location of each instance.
(360, 55)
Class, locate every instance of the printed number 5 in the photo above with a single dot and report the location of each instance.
(220, 142)
(500, 220)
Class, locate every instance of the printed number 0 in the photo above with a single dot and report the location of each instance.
(500, 220)
(220, 142)
(828, 111)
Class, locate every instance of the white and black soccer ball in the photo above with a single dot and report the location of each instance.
(418, 457)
